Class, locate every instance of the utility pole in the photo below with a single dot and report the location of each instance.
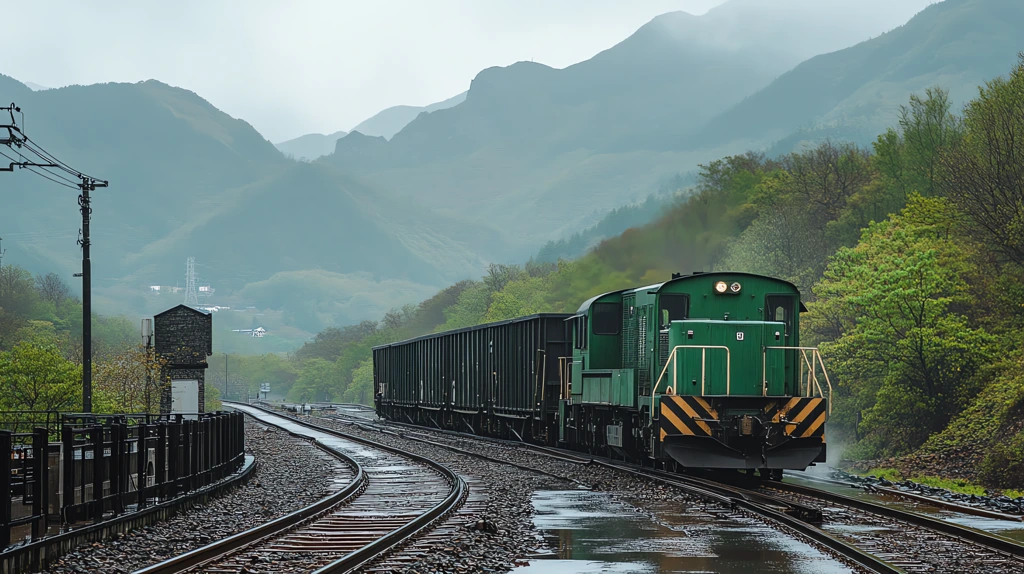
(225, 375)
(2, 251)
(88, 184)
(50, 168)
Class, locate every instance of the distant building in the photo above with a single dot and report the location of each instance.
(184, 338)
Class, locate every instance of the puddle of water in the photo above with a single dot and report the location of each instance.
(591, 533)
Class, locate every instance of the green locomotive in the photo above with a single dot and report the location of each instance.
(704, 371)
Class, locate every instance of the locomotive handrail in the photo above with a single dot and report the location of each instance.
(703, 369)
(812, 376)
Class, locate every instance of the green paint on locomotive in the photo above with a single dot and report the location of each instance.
(726, 340)
(624, 339)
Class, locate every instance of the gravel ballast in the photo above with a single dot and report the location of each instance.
(292, 473)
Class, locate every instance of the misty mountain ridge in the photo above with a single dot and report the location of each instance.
(390, 121)
(188, 180)
(856, 93)
(310, 146)
(531, 143)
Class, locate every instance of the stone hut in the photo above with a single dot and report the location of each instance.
(184, 339)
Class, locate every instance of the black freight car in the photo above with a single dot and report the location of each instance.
(499, 379)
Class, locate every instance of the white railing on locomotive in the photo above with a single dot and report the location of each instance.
(811, 379)
(672, 360)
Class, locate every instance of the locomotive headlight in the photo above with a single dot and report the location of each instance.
(721, 287)
(735, 287)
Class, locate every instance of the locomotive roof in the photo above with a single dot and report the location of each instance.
(475, 327)
(586, 304)
(657, 286)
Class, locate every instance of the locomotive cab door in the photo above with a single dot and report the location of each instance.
(782, 308)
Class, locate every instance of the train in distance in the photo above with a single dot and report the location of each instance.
(704, 371)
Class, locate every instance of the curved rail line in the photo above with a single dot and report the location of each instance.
(796, 517)
(387, 502)
(799, 517)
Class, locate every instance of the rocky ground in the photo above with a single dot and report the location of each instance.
(989, 501)
(292, 474)
(954, 464)
(480, 547)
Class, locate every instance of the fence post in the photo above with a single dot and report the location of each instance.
(186, 454)
(116, 467)
(160, 478)
(240, 437)
(41, 489)
(96, 437)
(67, 501)
(5, 489)
(141, 458)
(174, 429)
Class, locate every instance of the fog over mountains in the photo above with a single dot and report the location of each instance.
(413, 199)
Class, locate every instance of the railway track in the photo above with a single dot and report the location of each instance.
(391, 497)
(877, 537)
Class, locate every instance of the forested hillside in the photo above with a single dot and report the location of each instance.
(536, 161)
(41, 352)
(910, 262)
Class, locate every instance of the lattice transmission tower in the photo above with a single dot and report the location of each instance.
(191, 295)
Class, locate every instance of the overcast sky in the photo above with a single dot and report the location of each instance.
(303, 66)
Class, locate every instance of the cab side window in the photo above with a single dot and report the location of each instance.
(673, 307)
(780, 308)
(607, 318)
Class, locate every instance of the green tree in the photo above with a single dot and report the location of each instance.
(38, 378)
(361, 389)
(910, 159)
(317, 382)
(906, 359)
(984, 173)
(469, 308)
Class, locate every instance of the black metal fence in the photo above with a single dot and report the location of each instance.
(92, 467)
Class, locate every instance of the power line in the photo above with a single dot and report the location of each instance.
(16, 140)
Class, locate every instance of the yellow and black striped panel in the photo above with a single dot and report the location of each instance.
(805, 416)
(682, 414)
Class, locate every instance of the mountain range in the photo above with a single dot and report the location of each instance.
(416, 198)
(310, 146)
(385, 124)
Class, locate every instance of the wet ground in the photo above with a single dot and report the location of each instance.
(1013, 529)
(592, 533)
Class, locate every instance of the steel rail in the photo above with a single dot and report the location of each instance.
(990, 541)
(922, 498)
(457, 494)
(267, 530)
(733, 497)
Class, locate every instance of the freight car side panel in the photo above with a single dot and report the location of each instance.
(509, 368)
